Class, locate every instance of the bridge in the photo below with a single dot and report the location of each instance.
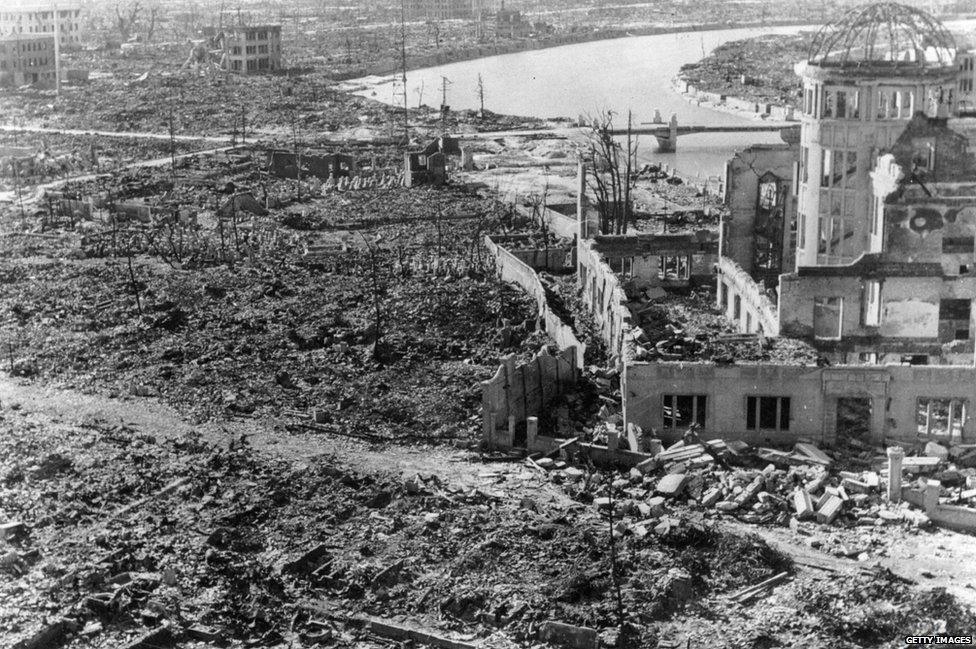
(667, 134)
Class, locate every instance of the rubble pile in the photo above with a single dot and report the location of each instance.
(760, 68)
(389, 339)
(687, 326)
(206, 541)
(805, 488)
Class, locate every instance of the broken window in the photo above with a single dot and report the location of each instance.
(682, 410)
(768, 413)
(915, 359)
(805, 164)
(954, 319)
(674, 267)
(828, 103)
(826, 162)
(877, 213)
(941, 417)
(827, 313)
(872, 303)
(956, 245)
(868, 358)
(883, 99)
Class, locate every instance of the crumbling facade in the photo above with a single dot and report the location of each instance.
(37, 18)
(27, 59)
(251, 49)
(882, 263)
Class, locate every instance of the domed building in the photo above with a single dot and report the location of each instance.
(878, 238)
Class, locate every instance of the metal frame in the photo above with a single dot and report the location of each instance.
(882, 33)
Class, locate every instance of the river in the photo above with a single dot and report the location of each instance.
(620, 74)
(632, 73)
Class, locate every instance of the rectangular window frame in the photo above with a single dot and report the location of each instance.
(762, 409)
(674, 404)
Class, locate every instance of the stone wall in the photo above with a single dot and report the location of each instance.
(738, 292)
(891, 393)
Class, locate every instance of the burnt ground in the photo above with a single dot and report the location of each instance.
(288, 331)
(766, 63)
(230, 530)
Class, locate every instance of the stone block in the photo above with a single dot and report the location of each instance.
(568, 635)
(829, 510)
(803, 504)
(671, 484)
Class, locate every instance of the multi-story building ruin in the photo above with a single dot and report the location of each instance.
(251, 49)
(27, 59)
(38, 18)
(873, 230)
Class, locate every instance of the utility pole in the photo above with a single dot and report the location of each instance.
(172, 145)
(444, 83)
(481, 95)
(403, 73)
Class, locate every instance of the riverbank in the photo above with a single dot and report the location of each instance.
(392, 65)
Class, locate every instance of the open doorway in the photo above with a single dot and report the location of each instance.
(853, 418)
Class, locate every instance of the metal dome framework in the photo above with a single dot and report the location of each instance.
(884, 32)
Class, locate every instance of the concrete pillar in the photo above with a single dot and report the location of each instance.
(931, 498)
(613, 441)
(531, 432)
(510, 439)
(467, 160)
(895, 456)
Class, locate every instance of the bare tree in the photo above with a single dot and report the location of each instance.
(151, 29)
(126, 20)
(612, 179)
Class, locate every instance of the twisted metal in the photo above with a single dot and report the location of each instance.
(883, 32)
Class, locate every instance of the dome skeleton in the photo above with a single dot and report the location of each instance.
(881, 32)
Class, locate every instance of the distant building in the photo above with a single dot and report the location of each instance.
(966, 84)
(27, 59)
(251, 49)
(448, 9)
(33, 17)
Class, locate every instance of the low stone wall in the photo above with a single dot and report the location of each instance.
(515, 271)
(556, 258)
(743, 301)
(520, 391)
(606, 301)
(776, 112)
(560, 225)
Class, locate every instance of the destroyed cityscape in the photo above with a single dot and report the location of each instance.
(487, 324)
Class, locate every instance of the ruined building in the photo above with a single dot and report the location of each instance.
(27, 59)
(447, 9)
(37, 18)
(859, 236)
(251, 49)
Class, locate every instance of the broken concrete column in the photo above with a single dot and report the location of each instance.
(531, 431)
(895, 456)
(613, 441)
(467, 160)
(511, 431)
(931, 497)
